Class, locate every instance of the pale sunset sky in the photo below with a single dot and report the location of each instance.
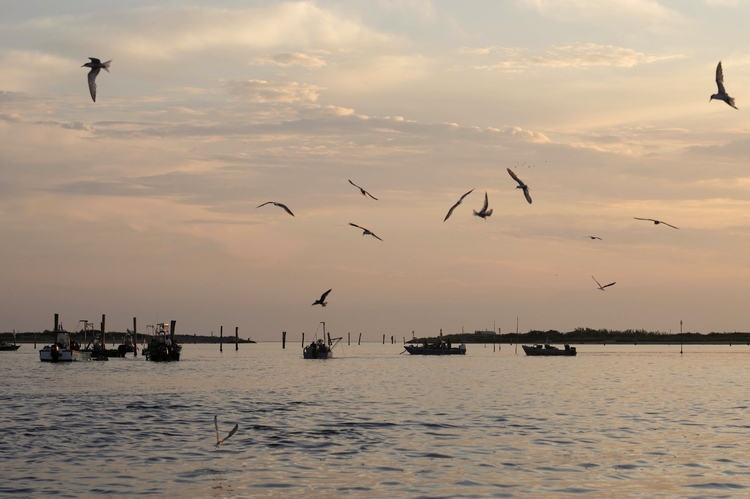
(144, 203)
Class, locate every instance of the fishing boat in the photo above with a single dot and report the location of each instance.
(318, 349)
(162, 347)
(549, 350)
(63, 350)
(7, 347)
(128, 345)
(438, 348)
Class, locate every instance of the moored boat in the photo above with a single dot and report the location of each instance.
(439, 348)
(63, 349)
(7, 347)
(163, 347)
(318, 349)
(549, 350)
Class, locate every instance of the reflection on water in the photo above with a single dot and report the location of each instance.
(615, 421)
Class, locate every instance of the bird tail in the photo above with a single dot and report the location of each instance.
(106, 65)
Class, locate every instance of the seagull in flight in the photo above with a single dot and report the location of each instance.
(722, 94)
(484, 213)
(594, 237)
(656, 222)
(367, 232)
(364, 192)
(601, 288)
(322, 302)
(277, 204)
(220, 441)
(96, 65)
(450, 212)
(521, 185)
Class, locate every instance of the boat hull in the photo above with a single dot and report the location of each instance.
(309, 353)
(46, 354)
(417, 350)
(540, 351)
(9, 348)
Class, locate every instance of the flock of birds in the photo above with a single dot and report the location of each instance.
(97, 65)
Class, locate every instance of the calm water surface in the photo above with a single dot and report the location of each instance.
(616, 421)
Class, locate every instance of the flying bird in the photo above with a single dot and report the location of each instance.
(277, 204)
(367, 232)
(521, 185)
(656, 222)
(594, 237)
(322, 302)
(220, 441)
(450, 212)
(364, 192)
(722, 94)
(484, 213)
(96, 65)
(601, 288)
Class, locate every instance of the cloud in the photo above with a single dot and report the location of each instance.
(164, 33)
(423, 9)
(264, 91)
(578, 55)
(290, 59)
(722, 3)
(27, 69)
(643, 10)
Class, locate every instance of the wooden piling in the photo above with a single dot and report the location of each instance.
(303, 340)
(104, 324)
(283, 340)
(236, 338)
(393, 340)
(35, 341)
(171, 331)
(360, 339)
(348, 338)
(383, 339)
(135, 339)
(221, 339)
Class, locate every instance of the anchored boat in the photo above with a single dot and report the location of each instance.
(549, 350)
(163, 347)
(439, 348)
(318, 349)
(63, 350)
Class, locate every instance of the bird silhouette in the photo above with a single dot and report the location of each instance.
(364, 192)
(521, 185)
(601, 288)
(280, 205)
(594, 237)
(721, 94)
(484, 212)
(656, 222)
(366, 232)
(96, 65)
(322, 301)
(220, 441)
(450, 212)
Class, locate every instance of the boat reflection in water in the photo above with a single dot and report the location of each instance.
(549, 350)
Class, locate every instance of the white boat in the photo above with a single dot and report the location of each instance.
(63, 350)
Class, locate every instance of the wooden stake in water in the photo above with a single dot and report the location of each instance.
(360, 339)
(680, 336)
(348, 338)
(104, 324)
(383, 339)
(303, 340)
(236, 338)
(135, 339)
(283, 340)
(221, 338)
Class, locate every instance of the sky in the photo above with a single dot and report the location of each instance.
(143, 204)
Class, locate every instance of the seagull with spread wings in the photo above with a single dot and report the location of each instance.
(96, 65)
(656, 222)
(277, 204)
(521, 185)
(484, 212)
(366, 232)
(219, 440)
(364, 192)
(601, 288)
(721, 94)
(322, 302)
(594, 237)
(450, 212)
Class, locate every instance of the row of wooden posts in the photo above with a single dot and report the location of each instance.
(348, 339)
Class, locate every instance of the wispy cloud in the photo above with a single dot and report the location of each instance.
(265, 91)
(648, 11)
(290, 59)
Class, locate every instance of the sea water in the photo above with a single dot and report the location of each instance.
(616, 421)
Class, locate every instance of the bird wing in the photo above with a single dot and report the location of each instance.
(355, 185)
(486, 202)
(285, 208)
(730, 101)
(597, 282)
(323, 296)
(97, 61)
(526, 194)
(450, 212)
(649, 219)
(376, 237)
(267, 202)
(462, 197)
(514, 176)
(608, 285)
(487, 213)
(92, 82)
(234, 430)
(373, 197)
(670, 225)
(216, 424)
(357, 226)
(720, 78)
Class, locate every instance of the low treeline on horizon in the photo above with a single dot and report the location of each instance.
(578, 335)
